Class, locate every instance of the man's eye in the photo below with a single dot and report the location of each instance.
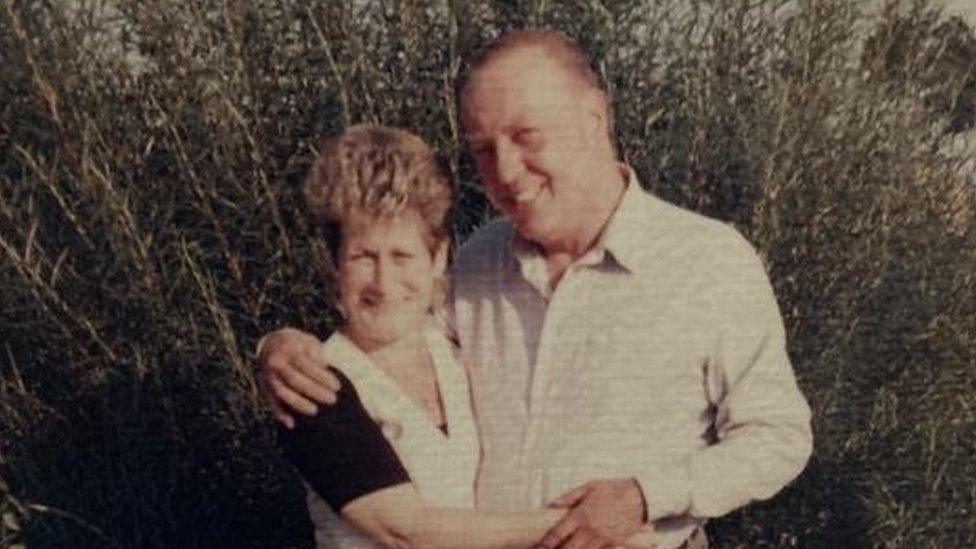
(481, 150)
(528, 136)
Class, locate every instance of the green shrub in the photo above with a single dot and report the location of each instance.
(151, 229)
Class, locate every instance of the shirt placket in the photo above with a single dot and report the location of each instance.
(555, 354)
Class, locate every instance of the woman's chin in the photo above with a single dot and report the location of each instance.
(383, 336)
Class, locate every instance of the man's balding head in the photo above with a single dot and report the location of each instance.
(554, 45)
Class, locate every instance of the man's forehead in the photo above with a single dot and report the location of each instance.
(517, 67)
(474, 133)
(525, 86)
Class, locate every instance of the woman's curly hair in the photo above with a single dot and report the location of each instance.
(378, 172)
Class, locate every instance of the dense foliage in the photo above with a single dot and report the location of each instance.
(151, 228)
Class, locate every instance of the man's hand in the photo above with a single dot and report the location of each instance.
(294, 374)
(604, 513)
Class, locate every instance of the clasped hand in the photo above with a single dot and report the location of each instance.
(602, 513)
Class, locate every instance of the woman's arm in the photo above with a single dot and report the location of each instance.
(398, 517)
(344, 456)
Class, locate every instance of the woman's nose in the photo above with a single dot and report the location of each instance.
(383, 275)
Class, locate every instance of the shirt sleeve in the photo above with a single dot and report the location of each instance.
(762, 421)
(341, 452)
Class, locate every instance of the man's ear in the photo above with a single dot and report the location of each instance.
(595, 114)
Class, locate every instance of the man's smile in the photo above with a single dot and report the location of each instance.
(527, 196)
(518, 203)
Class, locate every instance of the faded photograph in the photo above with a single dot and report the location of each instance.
(671, 274)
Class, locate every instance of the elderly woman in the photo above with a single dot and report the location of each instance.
(393, 461)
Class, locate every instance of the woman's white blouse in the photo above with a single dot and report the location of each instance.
(442, 467)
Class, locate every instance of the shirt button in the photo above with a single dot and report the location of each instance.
(391, 429)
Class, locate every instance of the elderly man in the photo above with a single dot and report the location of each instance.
(609, 335)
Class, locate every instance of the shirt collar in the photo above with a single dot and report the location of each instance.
(626, 233)
(620, 238)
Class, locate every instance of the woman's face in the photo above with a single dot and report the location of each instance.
(387, 276)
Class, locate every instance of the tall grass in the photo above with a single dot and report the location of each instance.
(151, 229)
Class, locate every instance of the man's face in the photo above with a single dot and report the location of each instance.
(530, 128)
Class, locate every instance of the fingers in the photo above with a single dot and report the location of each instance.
(572, 497)
(560, 532)
(583, 539)
(291, 399)
(315, 364)
(579, 540)
(297, 378)
(281, 415)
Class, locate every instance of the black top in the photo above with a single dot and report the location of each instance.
(341, 452)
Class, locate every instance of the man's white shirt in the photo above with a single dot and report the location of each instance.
(660, 355)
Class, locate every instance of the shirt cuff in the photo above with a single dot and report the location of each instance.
(666, 491)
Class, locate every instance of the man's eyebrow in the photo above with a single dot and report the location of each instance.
(516, 125)
(476, 138)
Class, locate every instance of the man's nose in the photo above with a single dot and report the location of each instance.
(508, 165)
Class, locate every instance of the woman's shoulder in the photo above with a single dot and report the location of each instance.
(341, 452)
(346, 414)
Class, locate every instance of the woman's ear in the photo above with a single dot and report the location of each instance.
(440, 284)
(440, 257)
